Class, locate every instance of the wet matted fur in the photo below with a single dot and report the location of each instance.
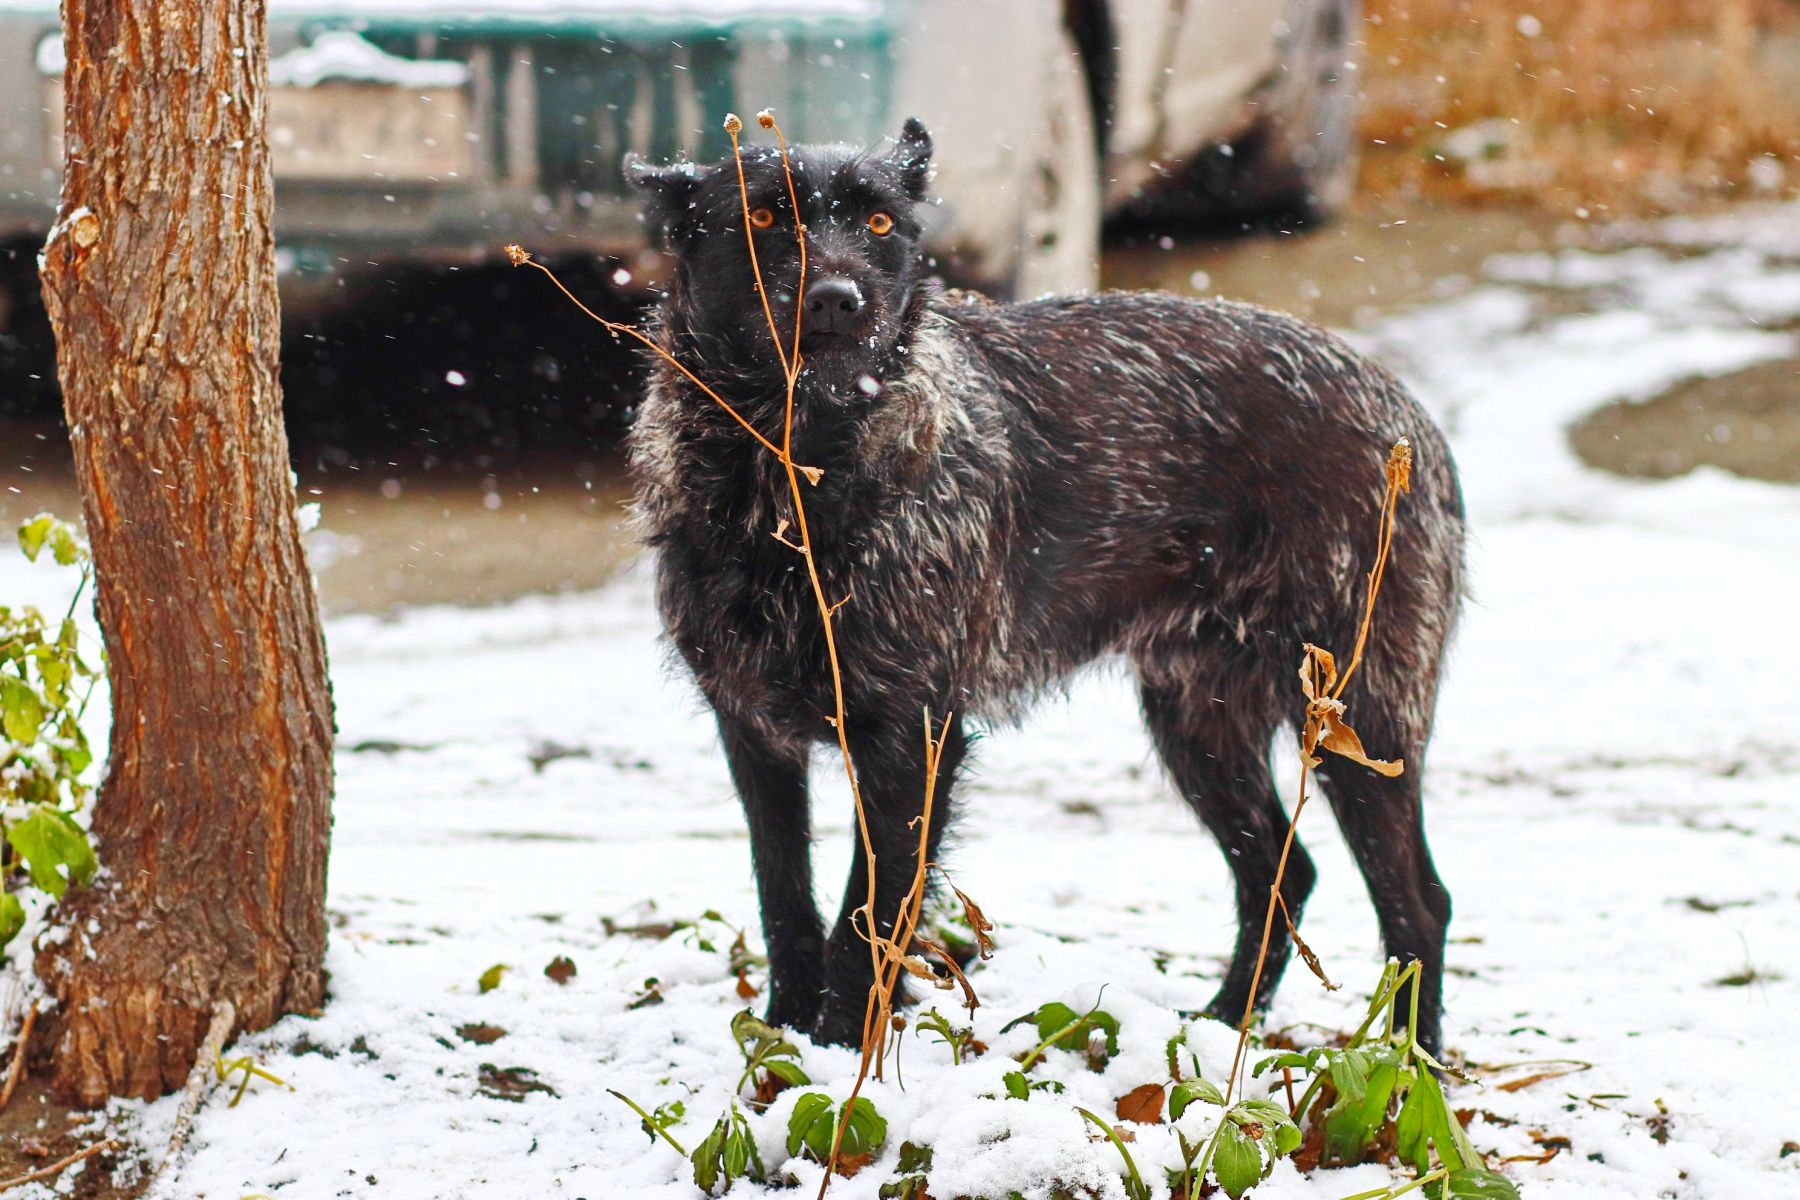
(1010, 491)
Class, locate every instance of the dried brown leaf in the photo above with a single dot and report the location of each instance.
(970, 1000)
(1141, 1104)
(978, 922)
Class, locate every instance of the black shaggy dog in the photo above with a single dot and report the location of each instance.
(1010, 491)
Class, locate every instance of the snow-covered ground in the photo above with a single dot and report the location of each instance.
(1611, 800)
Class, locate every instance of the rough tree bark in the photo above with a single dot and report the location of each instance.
(214, 817)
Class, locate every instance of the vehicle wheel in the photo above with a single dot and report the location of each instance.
(1059, 220)
(1297, 164)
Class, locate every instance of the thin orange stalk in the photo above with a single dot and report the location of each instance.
(522, 258)
(733, 126)
(1399, 479)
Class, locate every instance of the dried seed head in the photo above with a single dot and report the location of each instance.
(766, 118)
(733, 126)
(517, 254)
(1399, 465)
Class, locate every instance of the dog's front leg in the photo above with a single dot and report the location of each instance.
(771, 782)
(890, 764)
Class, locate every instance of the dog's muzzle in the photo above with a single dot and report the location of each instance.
(831, 307)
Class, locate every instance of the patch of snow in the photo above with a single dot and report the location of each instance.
(341, 54)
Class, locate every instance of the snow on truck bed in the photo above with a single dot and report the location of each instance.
(1611, 800)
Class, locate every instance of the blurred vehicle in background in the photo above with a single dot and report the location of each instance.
(433, 131)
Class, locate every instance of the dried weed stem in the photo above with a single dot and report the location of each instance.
(56, 1168)
(17, 1069)
(1324, 726)
(888, 956)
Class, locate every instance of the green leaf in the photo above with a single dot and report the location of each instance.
(810, 1111)
(706, 1157)
(1016, 1085)
(788, 1072)
(64, 544)
(32, 534)
(1479, 1183)
(913, 1158)
(47, 839)
(1189, 1090)
(1412, 1140)
(1350, 1074)
(1351, 1127)
(12, 917)
(1263, 1112)
(21, 710)
(1237, 1162)
(490, 978)
(1285, 1139)
(813, 1127)
(865, 1129)
(1290, 1059)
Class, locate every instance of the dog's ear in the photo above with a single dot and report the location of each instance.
(668, 196)
(912, 156)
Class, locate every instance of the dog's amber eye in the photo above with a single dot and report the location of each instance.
(880, 224)
(762, 218)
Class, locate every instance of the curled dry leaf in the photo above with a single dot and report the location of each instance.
(1305, 951)
(970, 1000)
(977, 921)
(1325, 724)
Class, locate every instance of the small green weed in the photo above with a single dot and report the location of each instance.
(1094, 1033)
(766, 1049)
(813, 1128)
(726, 1155)
(1381, 1088)
(961, 1041)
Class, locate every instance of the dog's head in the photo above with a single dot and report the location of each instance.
(864, 259)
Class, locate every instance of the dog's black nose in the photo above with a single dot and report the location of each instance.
(831, 304)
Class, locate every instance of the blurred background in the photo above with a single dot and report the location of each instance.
(459, 421)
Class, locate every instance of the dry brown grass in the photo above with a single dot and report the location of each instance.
(1612, 106)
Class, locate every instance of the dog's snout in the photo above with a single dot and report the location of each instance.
(831, 305)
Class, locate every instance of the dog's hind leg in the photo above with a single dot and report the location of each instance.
(890, 766)
(1212, 728)
(771, 782)
(1383, 823)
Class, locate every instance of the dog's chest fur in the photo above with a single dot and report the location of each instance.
(908, 522)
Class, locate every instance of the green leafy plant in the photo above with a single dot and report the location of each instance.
(1381, 1084)
(726, 1155)
(1094, 1033)
(44, 754)
(909, 1181)
(813, 1127)
(1246, 1140)
(1020, 1087)
(961, 1041)
(656, 1124)
(766, 1048)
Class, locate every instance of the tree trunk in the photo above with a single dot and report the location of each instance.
(214, 818)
